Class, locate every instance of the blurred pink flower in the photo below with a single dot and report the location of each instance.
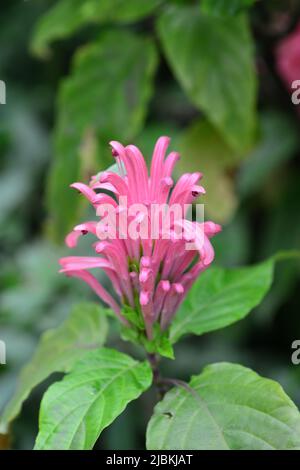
(287, 56)
(151, 275)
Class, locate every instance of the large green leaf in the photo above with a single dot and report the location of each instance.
(68, 16)
(203, 149)
(104, 98)
(221, 297)
(76, 410)
(58, 350)
(213, 60)
(225, 7)
(226, 407)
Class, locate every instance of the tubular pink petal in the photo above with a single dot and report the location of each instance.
(147, 311)
(182, 264)
(157, 165)
(172, 298)
(164, 189)
(188, 279)
(85, 190)
(72, 238)
(146, 279)
(169, 259)
(134, 279)
(126, 159)
(105, 186)
(104, 199)
(146, 261)
(87, 227)
(140, 172)
(117, 258)
(116, 181)
(120, 265)
(207, 252)
(195, 232)
(74, 263)
(119, 149)
(99, 290)
(162, 289)
(211, 229)
(196, 190)
(183, 185)
(170, 163)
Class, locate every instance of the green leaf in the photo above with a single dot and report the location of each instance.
(105, 97)
(160, 343)
(75, 411)
(68, 16)
(203, 149)
(227, 407)
(221, 297)
(278, 142)
(213, 59)
(225, 7)
(134, 317)
(58, 350)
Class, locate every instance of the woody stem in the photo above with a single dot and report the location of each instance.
(157, 378)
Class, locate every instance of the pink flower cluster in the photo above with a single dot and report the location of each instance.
(150, 276)
(288, 57)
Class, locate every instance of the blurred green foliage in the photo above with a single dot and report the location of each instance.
(79, 73)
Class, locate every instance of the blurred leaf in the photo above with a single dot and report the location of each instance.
(213, 59)
(282, 225)
(103, 382)
(20, 163)
(67, 16)
(59, 349)
(36, 265)
(226, 407)
(232, 245)
(225, 7)
(202, 149)
(281, 231)
(105, 97)
(278, 142)
(221, 297)
(170, 103)
(149, 135)
(20, 345)
(17, 20)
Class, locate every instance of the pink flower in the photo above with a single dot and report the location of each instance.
(150, 274)
(288, 57)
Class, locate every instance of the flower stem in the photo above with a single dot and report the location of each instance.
(157, 378)
(163, 384)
